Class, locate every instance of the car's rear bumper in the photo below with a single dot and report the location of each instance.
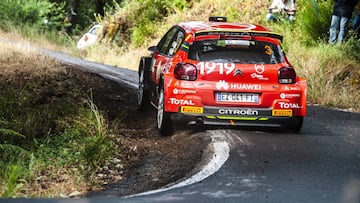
(210, 115)
(285, 100)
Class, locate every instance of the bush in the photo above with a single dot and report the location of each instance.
(351, 49)
(21, 12)
(143, 17)
(314, 19)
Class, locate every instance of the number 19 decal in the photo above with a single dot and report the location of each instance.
(222, 68)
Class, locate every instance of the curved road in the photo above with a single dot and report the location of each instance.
(321, 164)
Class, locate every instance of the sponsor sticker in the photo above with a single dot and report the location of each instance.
(259, 70)
(289, 95)
(181, 101)
(183, 91)
(291, 88)
(223, 85)
(282, 112)
(286, 105)
(192, 109)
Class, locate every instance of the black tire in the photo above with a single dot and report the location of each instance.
(143, 101)
(294, 124)
(163, 118)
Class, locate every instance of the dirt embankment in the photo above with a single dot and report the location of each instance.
(148, 161)
(160, 160)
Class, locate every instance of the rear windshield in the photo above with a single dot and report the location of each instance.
(236, 51)
(94, 30)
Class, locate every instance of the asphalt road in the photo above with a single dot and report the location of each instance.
(321, 164)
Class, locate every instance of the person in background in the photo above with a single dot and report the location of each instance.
(342, 13)
(356, 22)
(281, 8)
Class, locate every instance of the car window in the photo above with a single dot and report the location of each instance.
(94, 30)
(168, 43)
(236, 51)
(176, 42)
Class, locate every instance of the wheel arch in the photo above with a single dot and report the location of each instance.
(145, 65)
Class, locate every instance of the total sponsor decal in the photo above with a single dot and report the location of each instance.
(240, 112)
(288, 96)
(187, 102)
(223, 85)
(286, 105)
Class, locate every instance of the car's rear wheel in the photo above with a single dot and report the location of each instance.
(164, 123)
(143, 101)
(294, 124)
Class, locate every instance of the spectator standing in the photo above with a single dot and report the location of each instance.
(280, 8)
(356, 22)
(342, 13)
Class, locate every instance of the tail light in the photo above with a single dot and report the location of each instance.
(185, 71)
(287, 75)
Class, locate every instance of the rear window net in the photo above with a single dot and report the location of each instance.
(236, 51)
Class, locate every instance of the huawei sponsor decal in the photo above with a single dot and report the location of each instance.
(223, 85)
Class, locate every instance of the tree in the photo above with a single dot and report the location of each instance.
(81, 13)
(100, 7)
(72, 15)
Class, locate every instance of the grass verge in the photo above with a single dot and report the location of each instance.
(53, 136)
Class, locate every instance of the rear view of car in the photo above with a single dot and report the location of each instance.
(219, 73)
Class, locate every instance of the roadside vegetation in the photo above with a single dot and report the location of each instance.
(49, 131)
(332, 72)
(54, 139)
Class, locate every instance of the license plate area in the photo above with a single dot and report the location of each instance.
(237, 97)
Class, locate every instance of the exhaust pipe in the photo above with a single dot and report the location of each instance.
(199, 121)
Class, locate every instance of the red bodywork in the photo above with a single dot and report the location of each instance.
(221, 92)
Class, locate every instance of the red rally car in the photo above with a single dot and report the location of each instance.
(221, 73)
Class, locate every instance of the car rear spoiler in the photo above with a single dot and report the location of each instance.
(240, 34)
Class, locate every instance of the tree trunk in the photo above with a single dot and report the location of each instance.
(99, 7)
(72, 15)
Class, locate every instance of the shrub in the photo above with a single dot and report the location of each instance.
(314, 19)
(24, 11)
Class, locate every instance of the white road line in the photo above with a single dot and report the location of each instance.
(221, 151)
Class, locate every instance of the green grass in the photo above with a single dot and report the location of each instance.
(85, 145)
(50, 128)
